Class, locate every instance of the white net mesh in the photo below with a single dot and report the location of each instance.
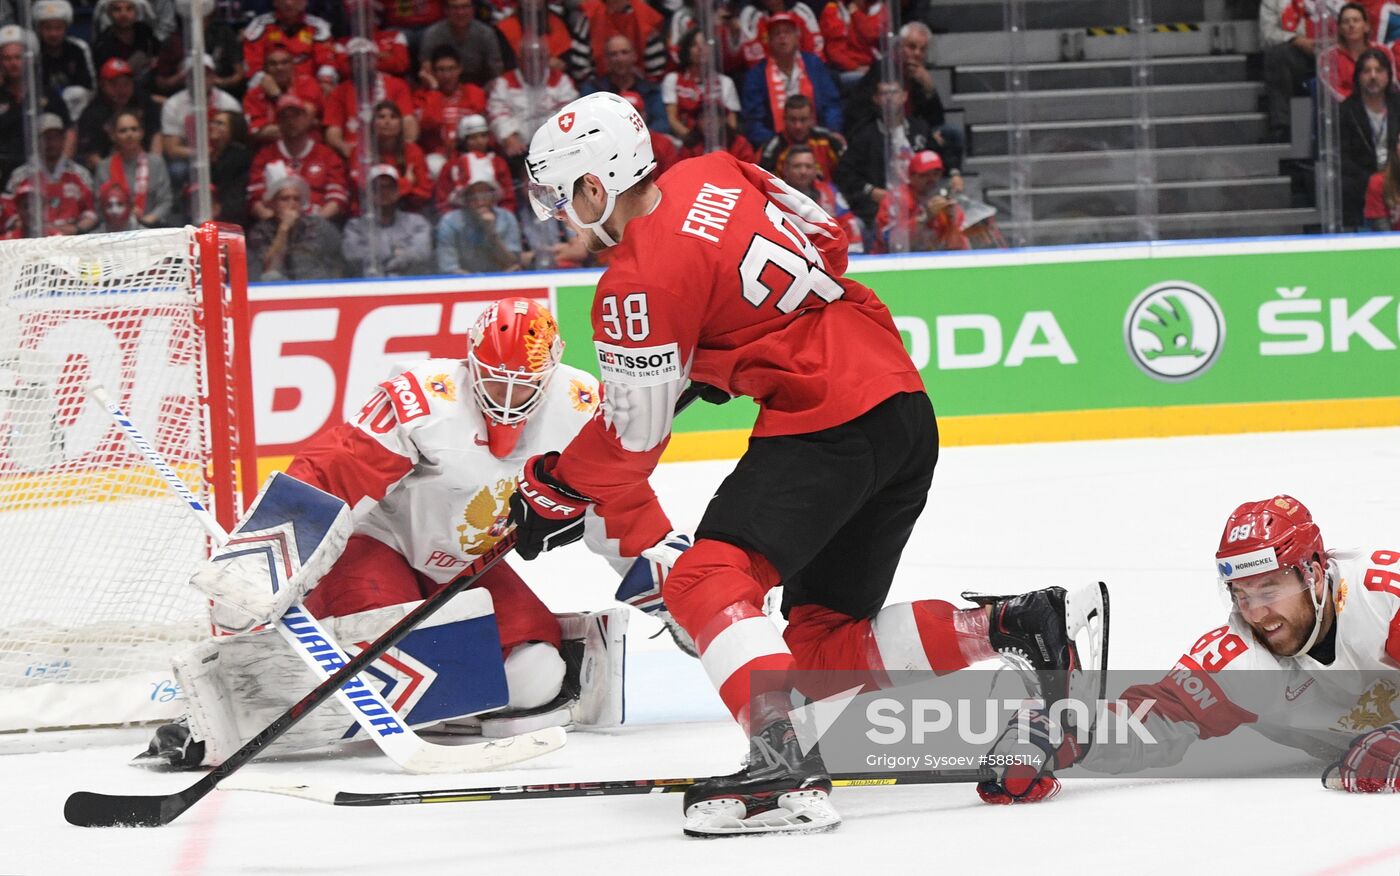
(97, 553)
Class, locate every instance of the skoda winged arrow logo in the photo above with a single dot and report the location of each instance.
(1174, 331)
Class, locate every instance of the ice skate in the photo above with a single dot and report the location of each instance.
(172, 747)
(780, 790)
(1053, 634)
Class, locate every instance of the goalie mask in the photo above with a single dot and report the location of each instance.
(512, 352)
(1264, 537)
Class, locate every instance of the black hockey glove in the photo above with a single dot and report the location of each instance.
(545, 512)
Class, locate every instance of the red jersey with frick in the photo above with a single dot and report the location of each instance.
(735, 280)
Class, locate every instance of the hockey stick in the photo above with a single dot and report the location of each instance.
(91, 809)
(304, 634)
(619, 788)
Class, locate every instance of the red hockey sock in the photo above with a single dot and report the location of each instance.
(745, 656)
(715, 592)
(928, 635)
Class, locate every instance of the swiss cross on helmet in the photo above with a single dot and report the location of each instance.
(599, 134)
(513, 349)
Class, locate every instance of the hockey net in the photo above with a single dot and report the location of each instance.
(97, 553)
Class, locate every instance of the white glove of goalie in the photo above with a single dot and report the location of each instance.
(641, 586)
(283, 545)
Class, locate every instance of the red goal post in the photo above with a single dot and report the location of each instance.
(93, 592)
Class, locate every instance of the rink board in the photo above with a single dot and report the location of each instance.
(1048, 344)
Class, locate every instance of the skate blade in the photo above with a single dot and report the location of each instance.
(159, 763)
(797, 813)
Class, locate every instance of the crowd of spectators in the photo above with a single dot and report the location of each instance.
(1357, 71)
(457, 93)
(458, 90)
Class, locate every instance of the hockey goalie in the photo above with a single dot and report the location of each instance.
(407, 495)
(1309, 658)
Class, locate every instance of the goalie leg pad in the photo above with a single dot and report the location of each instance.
(534, 672)
(448, 668)
(592, 692)
(598, 642)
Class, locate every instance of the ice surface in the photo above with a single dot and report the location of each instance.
(1143, 515)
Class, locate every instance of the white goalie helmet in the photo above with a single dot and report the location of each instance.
(601, 134)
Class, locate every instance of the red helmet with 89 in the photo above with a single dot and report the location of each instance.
(1266, 535)
(513, 350)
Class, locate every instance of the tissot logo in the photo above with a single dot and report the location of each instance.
(639, 366)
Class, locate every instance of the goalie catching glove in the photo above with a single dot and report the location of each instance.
(545, 512)
(283, 545)
(1023, 758)
(1371, 764)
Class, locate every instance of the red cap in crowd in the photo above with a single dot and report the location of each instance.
(291, 101)
(115, 67)
(926, 161)
(783, 18)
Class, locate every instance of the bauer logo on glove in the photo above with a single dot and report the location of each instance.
(288, 539)
(546, 513)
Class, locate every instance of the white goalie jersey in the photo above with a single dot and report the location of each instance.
(1228, 681)
(415, 467)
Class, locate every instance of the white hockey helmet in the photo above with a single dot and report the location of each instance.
(601, 134)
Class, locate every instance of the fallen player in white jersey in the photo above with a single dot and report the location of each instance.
(1327, 623)
(426, 469)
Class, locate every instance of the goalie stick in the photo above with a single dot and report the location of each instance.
(378, 719)
(93, 809)
(618, 788)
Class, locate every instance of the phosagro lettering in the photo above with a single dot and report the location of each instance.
(639, 366)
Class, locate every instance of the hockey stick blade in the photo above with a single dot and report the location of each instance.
(91, 809)
(621, 788)
(88, 809)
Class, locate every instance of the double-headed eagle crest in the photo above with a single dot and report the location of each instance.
(484, 519)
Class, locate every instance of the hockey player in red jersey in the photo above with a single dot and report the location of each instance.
(723, 274)
(1324, 624)
(425, 467)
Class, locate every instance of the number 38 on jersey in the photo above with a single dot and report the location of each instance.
(791, 267)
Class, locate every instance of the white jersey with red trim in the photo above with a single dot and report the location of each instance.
(415, 467)
(1295, 701)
